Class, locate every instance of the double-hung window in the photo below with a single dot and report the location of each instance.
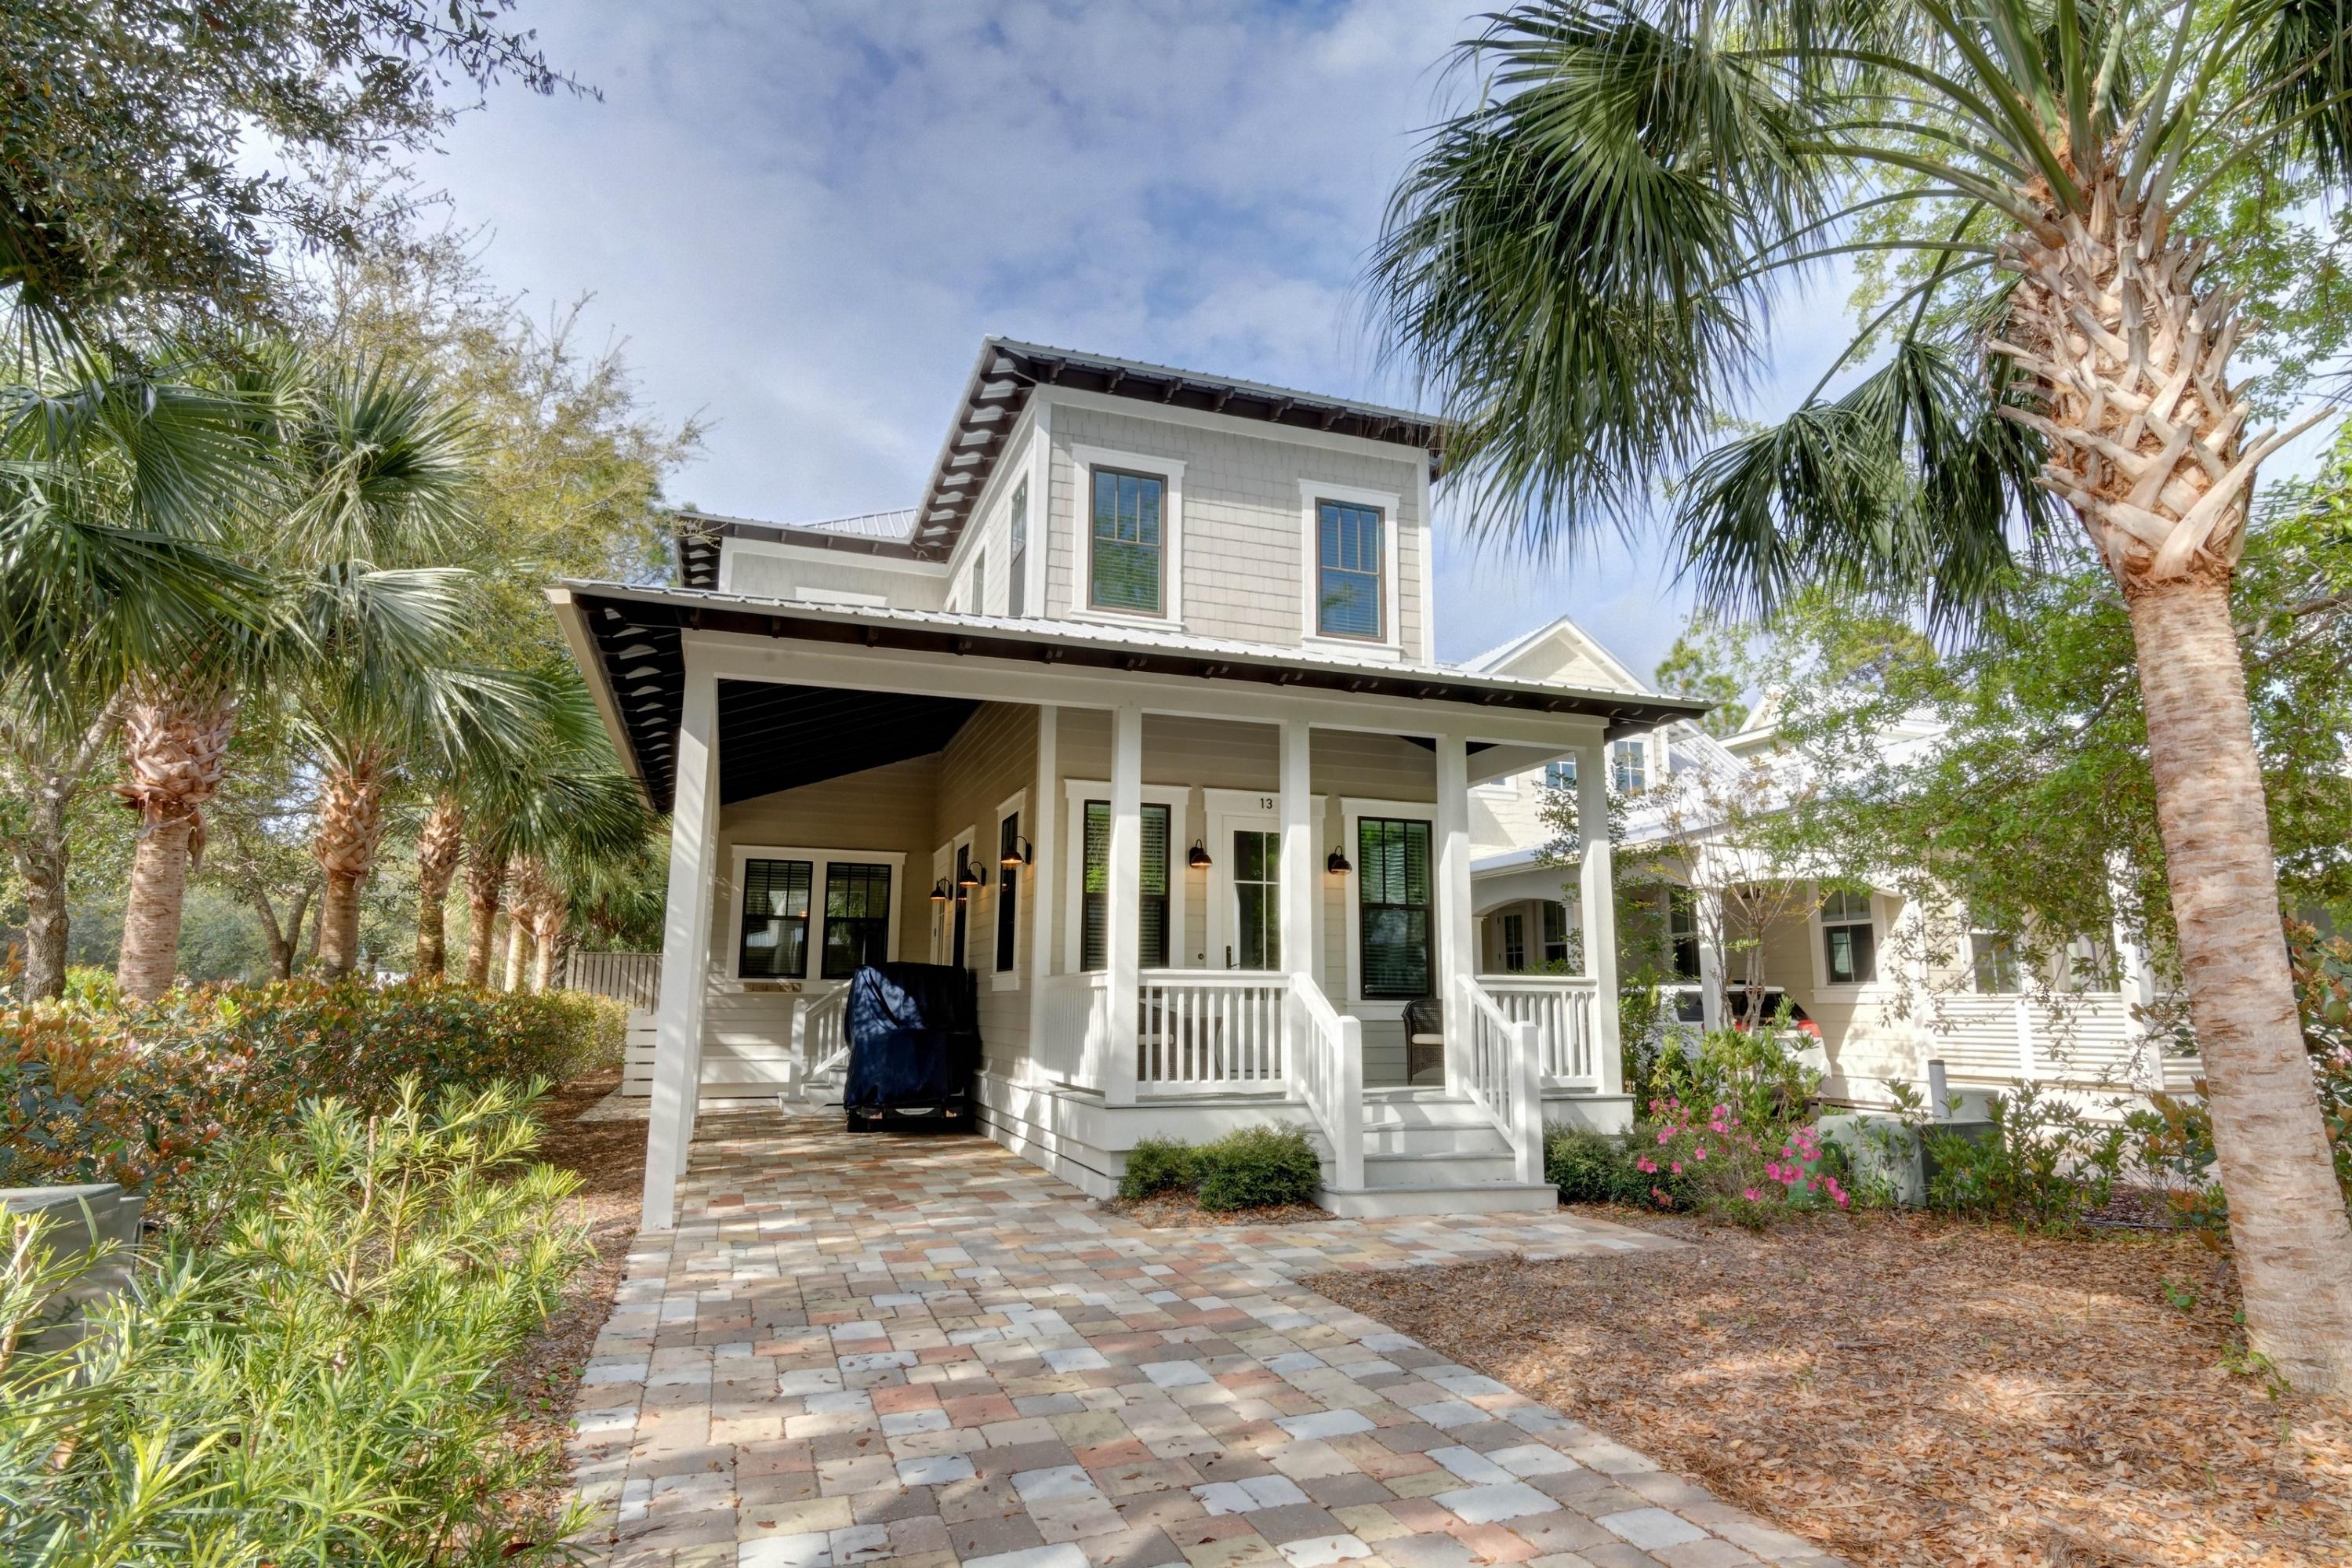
(1560, 774)
(1016, 584)
(1629, 762)
(1555, 932)
(1992, 958)
(1008, 891)
(1515, 943)
(1682, 932)
(773, 940)
(1849, 941)
(1128, 543)
(856, 917)
(1095, 888)
(1393, 909)
(1349, 556)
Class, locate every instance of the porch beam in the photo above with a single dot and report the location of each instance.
(1597, 893)
(1123, 903)
(1457, 934)
(686, 951)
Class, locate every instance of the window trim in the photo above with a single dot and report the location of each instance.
(1818, 925)
(1170, 471)
(819, 860)
(1002, 978)
(1352, 811)
(1312, 494)
(1177, 798)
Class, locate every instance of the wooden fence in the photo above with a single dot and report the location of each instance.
(631, 977)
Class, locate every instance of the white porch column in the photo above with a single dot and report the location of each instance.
(1707, 916)
(686, 950)
(1123, 901)
(1294, 784)
(1043, 892)
(1458, 935)
(1597, 893)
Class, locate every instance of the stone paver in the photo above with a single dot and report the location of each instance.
(858, 1349)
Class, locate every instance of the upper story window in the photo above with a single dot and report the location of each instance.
(1349, 563)
(1016, 584)
(1560, 773)
(1849, 940)
(1629, 766)
(1126, 558)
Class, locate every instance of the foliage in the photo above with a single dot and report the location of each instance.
(1754, 1072)
(320, 1386)
(1745, 1169)
(138, 1096)
(1594, 1168)
(1251, 1167)
(154, 147)
(2041, 1162)
(1709, 659)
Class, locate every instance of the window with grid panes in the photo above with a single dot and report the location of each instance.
(856, 917)
(1347, 565)
(1394, 906)
(773, 942)
(1094, 881)
(1129, 542)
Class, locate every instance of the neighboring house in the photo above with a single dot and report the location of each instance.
(1854, 964)
(1136, 716)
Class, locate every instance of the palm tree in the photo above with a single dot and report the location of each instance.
(1584, 263)
(116, 480)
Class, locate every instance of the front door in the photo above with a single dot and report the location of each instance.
(1256, 899)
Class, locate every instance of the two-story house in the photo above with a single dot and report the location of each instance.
(1135, 715)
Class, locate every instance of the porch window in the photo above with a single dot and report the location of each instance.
(1348, 556)
(1682, 932)
(1008, 891)
(1094, 883)
(1515, 943)
(1992, 959)
(856, 917)
(1016, 584)
(1129, 544)
(1393, 900)
(1629, 766)
(1849, 942)
(773, 942)
(1555, 932)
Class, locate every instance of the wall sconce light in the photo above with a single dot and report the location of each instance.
(1198, 858)
(1337, 863)
(972, 876)
(939, 891)
(1021, 854)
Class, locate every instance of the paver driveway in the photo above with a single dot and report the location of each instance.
(858, 1348)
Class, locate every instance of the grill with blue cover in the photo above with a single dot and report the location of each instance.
(914, 1044)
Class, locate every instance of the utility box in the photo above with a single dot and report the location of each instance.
(81, 1220)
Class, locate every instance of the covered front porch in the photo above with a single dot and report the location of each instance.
(1194, 891)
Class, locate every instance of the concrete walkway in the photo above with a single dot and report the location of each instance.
(855, 1349)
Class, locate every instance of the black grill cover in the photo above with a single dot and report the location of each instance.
(914, 1034)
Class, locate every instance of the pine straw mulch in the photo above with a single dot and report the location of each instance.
(1182, 1211)
(1909, 1391)
(609, 1158)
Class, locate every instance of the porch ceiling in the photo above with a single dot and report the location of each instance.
(774, 737)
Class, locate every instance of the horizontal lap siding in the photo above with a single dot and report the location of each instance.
(991, 758)
(763, 575)
(746, 1034)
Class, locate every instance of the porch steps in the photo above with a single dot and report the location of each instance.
(1429, 1152)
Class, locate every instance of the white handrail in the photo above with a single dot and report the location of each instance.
(1326, 1058)
(821, 1041)
(1209, 1031)
(1500, 1068)
(1560, 1007)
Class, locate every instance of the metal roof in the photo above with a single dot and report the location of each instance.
(1008, 371)
(628, 639)
(698, 534)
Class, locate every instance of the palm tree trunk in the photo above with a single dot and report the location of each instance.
(2287, 1220)
(437, 850)
(41, 856)
(175, 750)
(518, 952)
(351, 826)
(548, 934)
(485, 880)
(150, 959)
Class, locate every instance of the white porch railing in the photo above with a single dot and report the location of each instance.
(1560, 1007)
(820, 1035)
(1213, 1031)
(1496, 1062)
(1076, 1025)
(1326, 1069)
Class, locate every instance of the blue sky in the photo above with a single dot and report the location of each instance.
(803, 218)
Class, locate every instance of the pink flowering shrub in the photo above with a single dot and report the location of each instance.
(1716, 1157)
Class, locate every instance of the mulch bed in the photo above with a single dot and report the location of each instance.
(609, 1158)
(1182, 1211)
(1909, 1391)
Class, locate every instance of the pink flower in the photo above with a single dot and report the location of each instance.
(1699, 1152)
(1749, 1194)
(1666, 1136)
(1676, 1167)
(1646, 1165)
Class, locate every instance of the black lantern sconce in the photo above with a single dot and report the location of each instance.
(1021, 854)
(1198, 858)
(1337, 863)
(939, 891)
(972, 876)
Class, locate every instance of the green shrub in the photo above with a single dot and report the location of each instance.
(2041, 1162)
(137, 1095)
(1592, 1168)
(320, 1386)
(1156, 1166)
(1257, 1167)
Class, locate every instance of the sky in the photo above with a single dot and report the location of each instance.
(801, 219)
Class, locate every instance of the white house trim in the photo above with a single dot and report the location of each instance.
(1170, 470)
(1353, 809)
(811, 956)
(1228, 424)
(1075, 792)
(1259, 810)
(1311, 494)
(730, 549)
